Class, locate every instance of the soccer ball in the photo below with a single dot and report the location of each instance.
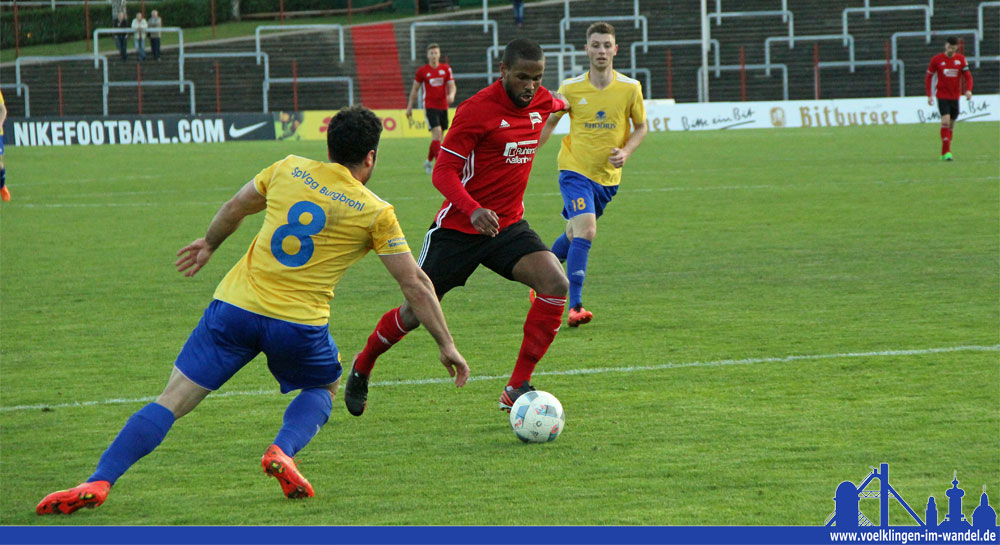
(537, 417)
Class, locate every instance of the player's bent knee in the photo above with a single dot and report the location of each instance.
(332, 388)
(553, 283)
(408, 317)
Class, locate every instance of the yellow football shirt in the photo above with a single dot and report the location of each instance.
(319, 221)
(599, 121)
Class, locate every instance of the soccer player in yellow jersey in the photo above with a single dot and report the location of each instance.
(4, 192)
(319, 219)
(600, 141)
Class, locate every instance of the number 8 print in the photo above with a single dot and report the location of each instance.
(299, 230)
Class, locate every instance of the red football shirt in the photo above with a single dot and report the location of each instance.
(435, 82)
(486, 156)
(949, 72)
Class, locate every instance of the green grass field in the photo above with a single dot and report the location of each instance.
(724, 254)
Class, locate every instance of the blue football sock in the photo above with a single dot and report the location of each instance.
(3, 176)
(576, 269)
(561, 246)
(143, 432)
(304, 416)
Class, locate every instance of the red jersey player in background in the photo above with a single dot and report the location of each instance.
(439, 92)
(949, 68)
(482, 172)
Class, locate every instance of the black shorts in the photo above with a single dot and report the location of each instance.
(436, 118)
(947, 106)
(449, 257)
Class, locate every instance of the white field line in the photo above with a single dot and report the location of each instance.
(438, 197)
(589, 371)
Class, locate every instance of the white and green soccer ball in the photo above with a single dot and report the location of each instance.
(537, 417)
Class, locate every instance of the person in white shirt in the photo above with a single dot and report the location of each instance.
(139, 26)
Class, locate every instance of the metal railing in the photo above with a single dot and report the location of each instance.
(338, 28)
(848, 41)
(635, 13)
(423, 24)
(224, 55)
(735, 67)
(647, 92)
(109, 84)
(27, 95)
(897, 66)
(565, 22)
(786, 17)
(38, 59)
(982, 6)
(180, 48)
(929, 33)
(712, 42)
(718, 10)
(493, 51)
(318, 79)
(866, 10)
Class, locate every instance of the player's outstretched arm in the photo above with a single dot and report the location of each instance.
(550, 126)
(194, 256)
(419, 293)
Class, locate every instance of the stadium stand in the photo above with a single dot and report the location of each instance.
(809, 32)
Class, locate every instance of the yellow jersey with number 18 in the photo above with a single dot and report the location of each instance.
(599, 121)
(319, 221)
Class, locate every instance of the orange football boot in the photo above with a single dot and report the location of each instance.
(66, 502)
(579, 315)
(5, 194)
(278, 465)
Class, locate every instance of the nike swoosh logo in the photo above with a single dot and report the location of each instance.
(236, 133)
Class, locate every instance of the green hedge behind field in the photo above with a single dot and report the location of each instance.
(68, 23)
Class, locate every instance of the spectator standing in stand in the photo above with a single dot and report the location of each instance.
(518, 7)
(154, 36)
(139, 26)
(121, 39)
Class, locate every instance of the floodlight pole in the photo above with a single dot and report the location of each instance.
(706, 35)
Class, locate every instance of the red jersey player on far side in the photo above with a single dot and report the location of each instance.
(439, 91)
(949, 69)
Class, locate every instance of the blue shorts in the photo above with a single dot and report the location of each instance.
(581, 195)
(228, 337)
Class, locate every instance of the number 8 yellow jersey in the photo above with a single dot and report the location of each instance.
(319, 221)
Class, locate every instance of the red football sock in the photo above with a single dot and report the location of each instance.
(435, 148)
(945, 140)
(388, 332)
(540, 329)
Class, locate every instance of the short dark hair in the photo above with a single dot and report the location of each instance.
(952, 40)
(521, 48)
(352, 133)
(600, 27)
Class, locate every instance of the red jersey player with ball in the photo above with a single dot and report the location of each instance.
(948, 68)
(482, 172)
